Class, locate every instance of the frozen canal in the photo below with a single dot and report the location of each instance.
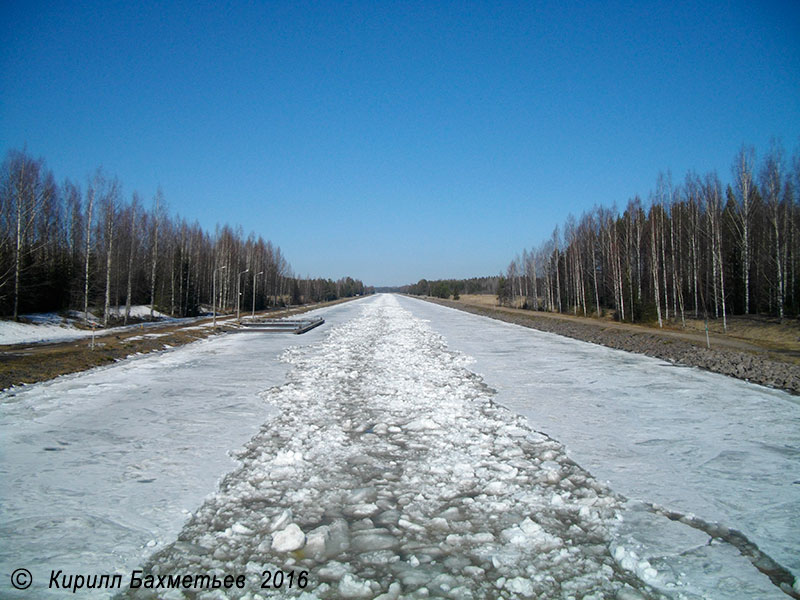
(691, 441)
(98, 469)
(387, 466)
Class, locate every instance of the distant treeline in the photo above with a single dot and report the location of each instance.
(63, 247)
(697, 249)
(444, 288)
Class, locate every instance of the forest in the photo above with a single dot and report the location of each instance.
(698, 249)
(445, 288)
(63, 247)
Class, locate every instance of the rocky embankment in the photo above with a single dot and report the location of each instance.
(742, 365)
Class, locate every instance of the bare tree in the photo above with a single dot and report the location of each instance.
(592, 234)
(26, 189)
(693, 201)
(713, 196)
(743, 178)
(654, 260)
(556, 261)
(664, 193)
(110, 199)
(771, 182)
(158, 202)
(132, 216)
(90, 195)
(530, 267)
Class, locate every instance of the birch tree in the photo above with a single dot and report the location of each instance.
(771, 183)
(23, 195)
(743, 180)
(654, 260)
(713, 196)
(158, 202)
(90, 195)
(132, 215)
(110, 200)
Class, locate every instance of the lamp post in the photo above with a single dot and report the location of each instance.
(254, 292)
(238, 292)
(214, 294)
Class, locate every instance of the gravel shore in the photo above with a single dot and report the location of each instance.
(742, 365)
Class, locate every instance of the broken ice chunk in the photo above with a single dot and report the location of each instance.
(289, 539)
(352, 587)
(361, 510)
(333, 571)
(495, 488)
(422, 424)
(281, 520)
(288, 457)
(317, 541)
(239, 529)
(373, 539)
(337, 537)
(520, 586)
(392, 594)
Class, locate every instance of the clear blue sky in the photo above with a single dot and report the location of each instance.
(394, 141)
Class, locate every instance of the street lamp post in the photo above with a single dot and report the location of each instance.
(238, 292)
(254, 292)
(214, 294)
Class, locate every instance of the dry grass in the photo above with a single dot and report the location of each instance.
(764, 331)
(482, 300)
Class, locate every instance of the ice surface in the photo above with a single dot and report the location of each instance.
(410, 480)
(99, 469)
(690, 440)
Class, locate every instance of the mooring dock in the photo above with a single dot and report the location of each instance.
(296, 326)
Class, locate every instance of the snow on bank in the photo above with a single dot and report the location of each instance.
(52, 327)
(139, 311)
(389, 470)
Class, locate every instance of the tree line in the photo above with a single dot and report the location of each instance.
(696, 249)
(64, 247)
(445, 288)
